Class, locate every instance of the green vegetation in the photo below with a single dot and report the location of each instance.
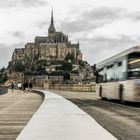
(28, 72)
(19, 67)
(40, 70)
(67, 66)
(41, 62)
(75, 71)
(81, 63)
(66, 76)
(3, 78)
(69, 56)
(57, 62)
(57, 73)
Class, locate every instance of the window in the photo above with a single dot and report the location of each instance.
(110, 66)
(99, 76)
(119, 64)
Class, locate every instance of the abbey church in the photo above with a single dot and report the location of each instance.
(55, 46)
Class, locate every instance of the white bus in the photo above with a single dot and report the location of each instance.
(118, 77)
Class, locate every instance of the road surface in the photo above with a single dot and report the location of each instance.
(122, 121)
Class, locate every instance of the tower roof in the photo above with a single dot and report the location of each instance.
(52, 22)
(52, 28)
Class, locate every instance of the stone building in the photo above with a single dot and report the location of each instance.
(55, 46)
(18, 54)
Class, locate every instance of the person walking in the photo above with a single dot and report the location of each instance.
(19, 86)
(25, 87)
(30, 86)
(12, 86)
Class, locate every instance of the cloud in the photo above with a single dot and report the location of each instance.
(33, 3)
(18, 34)
(134, 16)
(92, 19)
(4, 4)
(99, 48)
(42, 24)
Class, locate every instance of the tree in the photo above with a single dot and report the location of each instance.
(67, 66)
(2, 70)
(3, 78)
(69, 56)
(66, 76)
(40, 70)
(57, 73)
(81, 63)
(28, 72)
(19, 67)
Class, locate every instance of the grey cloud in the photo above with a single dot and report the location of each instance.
(33, 2)
(92, 19)
(103, 13)
(134, 16)
(21, 3)
(6, 4)
(18, 34)
(100, 48)
(43, 24)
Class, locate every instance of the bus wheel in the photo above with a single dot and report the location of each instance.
(121, 93)
(100, 91)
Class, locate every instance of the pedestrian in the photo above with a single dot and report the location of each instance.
(19, 86)
(12, 86)
(25, 87)
(30, 86)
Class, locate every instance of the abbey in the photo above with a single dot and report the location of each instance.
(56, 46)
(52, 58)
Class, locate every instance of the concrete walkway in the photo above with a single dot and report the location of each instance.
(59, 119)
(16, 109)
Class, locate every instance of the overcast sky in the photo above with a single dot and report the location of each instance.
(103, 27)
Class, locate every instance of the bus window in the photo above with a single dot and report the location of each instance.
(134, 65)
(119, 64)
(110, 73)
(134, 74)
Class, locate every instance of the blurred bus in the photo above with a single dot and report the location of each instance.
(118, 77)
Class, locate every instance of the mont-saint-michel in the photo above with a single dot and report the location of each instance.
(51, 58)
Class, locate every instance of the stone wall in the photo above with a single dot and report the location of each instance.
(71, 87)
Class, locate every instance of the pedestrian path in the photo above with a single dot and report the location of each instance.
(59, 119)
(16, 109)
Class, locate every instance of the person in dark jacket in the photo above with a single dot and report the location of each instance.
(30, 86)
(12, 86)
(25, 87)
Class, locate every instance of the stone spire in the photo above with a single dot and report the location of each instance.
(51, 29)
(52, 22)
